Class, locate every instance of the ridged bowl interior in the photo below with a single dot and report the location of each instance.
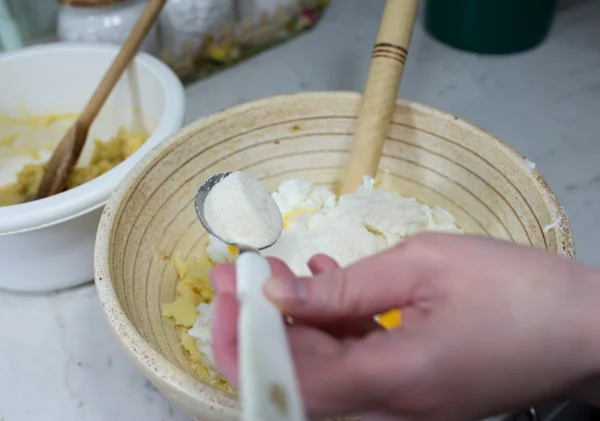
(431, 155)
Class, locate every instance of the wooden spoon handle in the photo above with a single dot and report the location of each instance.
(381, 90)
(121, 61)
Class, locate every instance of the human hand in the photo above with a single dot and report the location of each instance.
(487, 326)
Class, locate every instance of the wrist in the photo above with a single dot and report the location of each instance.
(586, 326)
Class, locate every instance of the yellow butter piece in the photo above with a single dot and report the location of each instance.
(233, 250)
(289, 216)
(391, 319)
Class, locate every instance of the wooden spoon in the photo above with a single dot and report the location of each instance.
(67, 152)
(381, 90)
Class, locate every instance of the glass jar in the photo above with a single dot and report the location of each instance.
(109, 21)
(185, 24)
(202, 37)
(257, 11)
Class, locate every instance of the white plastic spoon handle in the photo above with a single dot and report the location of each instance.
(269, 389)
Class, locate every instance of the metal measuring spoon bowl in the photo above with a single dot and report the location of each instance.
(201, 196)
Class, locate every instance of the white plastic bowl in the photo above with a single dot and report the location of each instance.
(48, 244)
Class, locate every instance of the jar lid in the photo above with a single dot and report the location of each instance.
(89, 3)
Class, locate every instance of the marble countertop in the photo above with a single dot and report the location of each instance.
(58, 360)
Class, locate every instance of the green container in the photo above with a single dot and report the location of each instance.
(490, 26)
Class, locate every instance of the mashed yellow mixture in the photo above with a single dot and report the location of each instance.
(193, 288)
(106, 155)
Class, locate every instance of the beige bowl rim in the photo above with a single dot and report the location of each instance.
(149, 360)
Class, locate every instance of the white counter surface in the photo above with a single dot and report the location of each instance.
(58, 360)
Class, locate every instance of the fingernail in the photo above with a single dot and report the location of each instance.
(287, 291)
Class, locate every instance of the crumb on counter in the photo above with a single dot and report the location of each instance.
(529, 164)
(552, 225)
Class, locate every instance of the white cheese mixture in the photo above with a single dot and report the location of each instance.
(201, 331)
(349, 229)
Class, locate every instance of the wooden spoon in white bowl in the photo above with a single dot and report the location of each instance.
(66, 154)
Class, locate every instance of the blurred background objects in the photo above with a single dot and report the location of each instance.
(196, 38)
(200, 37)
(491, 26)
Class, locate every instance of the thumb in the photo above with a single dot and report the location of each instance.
(369, 287)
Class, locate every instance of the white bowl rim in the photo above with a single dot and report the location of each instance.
(142, 352)
(93, 194)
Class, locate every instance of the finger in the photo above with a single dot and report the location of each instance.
(351, 329)
(307, 341)
(224, 335)
(222, 276)
(371, 286)
(321, 263)
(279, 268)
(345, 377)
(379, 416)
(355, 328)
(334, 377)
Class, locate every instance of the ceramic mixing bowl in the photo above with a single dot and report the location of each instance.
(429, 154)
(48, 244)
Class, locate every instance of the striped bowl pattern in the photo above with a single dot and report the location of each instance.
(429, 154)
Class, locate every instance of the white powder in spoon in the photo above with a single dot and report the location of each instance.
(240, 210)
